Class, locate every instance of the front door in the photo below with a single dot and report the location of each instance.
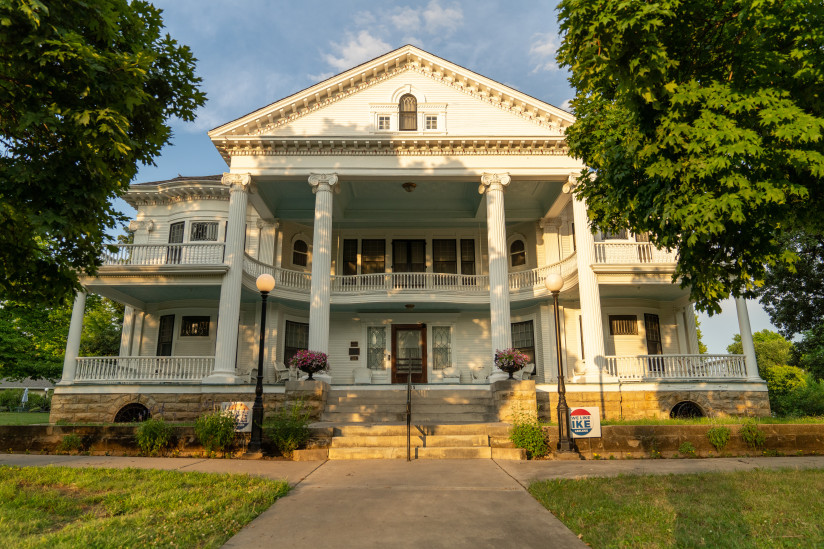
(409, 352)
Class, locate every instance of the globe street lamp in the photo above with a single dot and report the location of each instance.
(265, 283)
(554, 282)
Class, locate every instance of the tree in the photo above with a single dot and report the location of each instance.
(33, 338)
(86, 91)
(771, 349)
(701, 123)
(702, 347)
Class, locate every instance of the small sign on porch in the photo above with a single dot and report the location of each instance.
(585, 422)
(242, 412)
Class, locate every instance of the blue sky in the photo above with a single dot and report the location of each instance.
(255, 52)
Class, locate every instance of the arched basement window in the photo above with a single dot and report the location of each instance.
(300, 253)
(131, 413)
(408, 109)
(686, 409)
(517, 253)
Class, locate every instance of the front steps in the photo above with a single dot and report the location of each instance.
(447, 423)
(388, 441)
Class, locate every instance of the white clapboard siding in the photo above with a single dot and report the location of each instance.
(465, 115)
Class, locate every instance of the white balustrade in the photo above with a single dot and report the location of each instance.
(166, 254)
(113, 369)
(284, 278)
(535, 277)
(641, 367)
(632, 252)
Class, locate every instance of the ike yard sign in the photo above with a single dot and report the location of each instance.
(585, 422)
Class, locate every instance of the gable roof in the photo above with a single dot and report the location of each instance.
(406, 58)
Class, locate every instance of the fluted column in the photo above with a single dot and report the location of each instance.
(692, 329)
(588, 290)
(266, 242)
(126, 332)
(229, 308)
(493, 185)
(746, 339)
(73, 341)
(322, 185)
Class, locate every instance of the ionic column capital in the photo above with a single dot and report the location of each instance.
(324, 182)
(572, 182)
(494, 182)
(552, 223)
(237, 181)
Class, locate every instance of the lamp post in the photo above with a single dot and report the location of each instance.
(554, 282)
(265, 283)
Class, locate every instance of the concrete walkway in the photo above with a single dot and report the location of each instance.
(448, 503)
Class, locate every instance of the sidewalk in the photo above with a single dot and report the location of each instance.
(448, 503)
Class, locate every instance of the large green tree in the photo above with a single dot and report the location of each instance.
(33, 338)
(87, 88)
(702, 124)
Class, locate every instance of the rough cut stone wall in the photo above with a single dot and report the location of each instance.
(650, 404)
(514, 400)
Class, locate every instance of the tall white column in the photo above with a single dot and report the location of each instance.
(229, 308)
(73, 341)
(322, 185)
(588, 290)
(137, 332)
(493, 185)
(126, 332)
(746, 339)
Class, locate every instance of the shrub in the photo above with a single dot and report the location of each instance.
(10, 398)
(215, 431)
(687, 449)
(70, 443)
(288, 429)
(752, 435)
(804, 399)
(718, 437)
(154, 435)
(527, 434)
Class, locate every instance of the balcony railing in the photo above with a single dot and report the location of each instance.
(535, 277)
(641, 367)
(166, 254)
(112, 369)
(632, 252)
(408, 282)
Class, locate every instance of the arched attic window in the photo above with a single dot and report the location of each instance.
(408, 110)
(517, 253)
(300, 253)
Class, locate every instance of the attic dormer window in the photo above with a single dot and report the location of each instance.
(408, 109)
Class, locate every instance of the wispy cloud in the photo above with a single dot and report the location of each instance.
(359, 48)
(567, 105)
(542, 52)
(439, 19)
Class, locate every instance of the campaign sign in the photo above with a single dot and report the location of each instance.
(585, 422)
(242, 412)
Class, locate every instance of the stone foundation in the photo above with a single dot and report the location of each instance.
(514, 400)
(657, 404)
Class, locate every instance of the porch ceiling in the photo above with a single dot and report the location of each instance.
(434, 202)
(138, 295)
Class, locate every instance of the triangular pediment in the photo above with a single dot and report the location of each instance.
(346, 105)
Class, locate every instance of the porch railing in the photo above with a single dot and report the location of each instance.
(632, 252)
(535, 277)
(112, 369)
(642, 367)
(394, 282)
(166, 254)
(284, 278)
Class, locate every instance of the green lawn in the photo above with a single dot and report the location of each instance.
(23, 418)
(741, 510)
(65, 507)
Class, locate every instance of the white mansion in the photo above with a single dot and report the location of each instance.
(408, 209)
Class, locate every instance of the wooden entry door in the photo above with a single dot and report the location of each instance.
(409, 351)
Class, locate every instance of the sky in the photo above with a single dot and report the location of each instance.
(255, 52)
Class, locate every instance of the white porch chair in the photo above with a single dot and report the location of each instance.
(525, 372)
(481, 376)
(451, 375)
(362, 375)
(283, 373)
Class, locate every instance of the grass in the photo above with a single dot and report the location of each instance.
(66, 507)
(751, 509)
(727, 420)
(23, 418)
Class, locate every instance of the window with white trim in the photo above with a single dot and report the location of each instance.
(441, 347)
(431, 122)
(194, 326)
(523, 338)
(203, 231)
(383, 122)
